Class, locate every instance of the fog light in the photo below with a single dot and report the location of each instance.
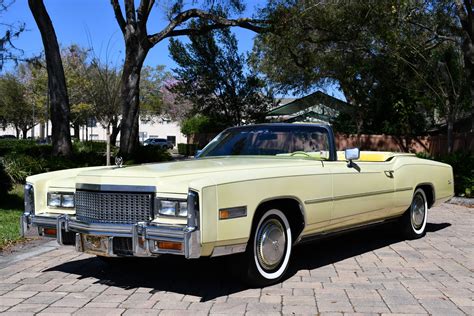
(169, 245)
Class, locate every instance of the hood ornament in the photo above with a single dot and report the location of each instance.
(119, 161)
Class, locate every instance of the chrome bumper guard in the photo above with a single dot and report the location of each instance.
(144, 236)
(29, 221)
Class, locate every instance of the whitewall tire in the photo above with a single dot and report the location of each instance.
(269, 249)
(414, 220)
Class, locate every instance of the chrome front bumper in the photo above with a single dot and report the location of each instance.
(144, 236)
(30, 221)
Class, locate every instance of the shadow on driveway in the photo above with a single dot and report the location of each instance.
(211, 278)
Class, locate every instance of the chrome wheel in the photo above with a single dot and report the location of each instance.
(271, 244)
(418, 211)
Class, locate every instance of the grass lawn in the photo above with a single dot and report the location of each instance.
(11, 209)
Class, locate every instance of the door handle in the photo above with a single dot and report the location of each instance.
(389, 173)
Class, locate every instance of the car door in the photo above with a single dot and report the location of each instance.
(362, 193)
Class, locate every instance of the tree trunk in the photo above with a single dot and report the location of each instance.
(17, 132)
(61, 135)
(114, 134)
(108, 145)
(450, 123)
(130, 93)
(24, 131)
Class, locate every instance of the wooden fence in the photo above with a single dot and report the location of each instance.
(434, 145)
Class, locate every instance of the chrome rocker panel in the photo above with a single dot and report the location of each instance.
(143, 234)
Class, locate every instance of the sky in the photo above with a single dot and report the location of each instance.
(91, 23)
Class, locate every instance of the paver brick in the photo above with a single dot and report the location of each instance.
(432, 275)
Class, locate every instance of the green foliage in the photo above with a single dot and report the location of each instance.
(463, 169)
(14, 106)
(187, 149)
(20, 166)
(393, 60)
(15, 145)
(197, 124)
(5, 181)
(11, 208)
(152, 81)
(212, 76)
(148, 154)
(9, 227)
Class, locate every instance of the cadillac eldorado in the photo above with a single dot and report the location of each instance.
(258, 190)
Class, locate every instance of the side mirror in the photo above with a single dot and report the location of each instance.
(351, 154)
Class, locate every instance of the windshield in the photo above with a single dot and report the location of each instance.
(284, 140)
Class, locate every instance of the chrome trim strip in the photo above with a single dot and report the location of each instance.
(228, 250)
(404, 189)
(321, 200)
(115, 187)
(353, 196)
(346, 229)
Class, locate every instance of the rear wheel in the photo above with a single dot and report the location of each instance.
(269, 249)
(413, 222)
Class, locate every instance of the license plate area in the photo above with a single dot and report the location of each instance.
(96, 245)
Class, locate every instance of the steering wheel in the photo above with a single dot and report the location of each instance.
(300, 153)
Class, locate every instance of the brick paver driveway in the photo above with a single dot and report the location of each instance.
(369, 272)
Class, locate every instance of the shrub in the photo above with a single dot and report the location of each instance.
(463, 169)
(5, 181)
(187, 149)
(15, 145)
(20, 166)
(196, 124)
(147, 154)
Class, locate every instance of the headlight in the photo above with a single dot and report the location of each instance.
(61, 199)
(169, 207)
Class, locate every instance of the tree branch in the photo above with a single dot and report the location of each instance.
(219, 23)
(118, 14)
(130, 11)
(144, 10)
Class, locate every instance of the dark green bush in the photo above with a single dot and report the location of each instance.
(15, 145)
(5, 181)
(147, 154)
(25, 158)
(463, 169)
(187, 149)
(20, 166)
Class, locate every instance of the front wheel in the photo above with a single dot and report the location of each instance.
(413, 222)
(269, 249)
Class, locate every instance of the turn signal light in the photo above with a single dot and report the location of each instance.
(170, 245)
(224, 214)
(49, 231)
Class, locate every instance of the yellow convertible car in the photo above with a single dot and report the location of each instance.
(257, 190)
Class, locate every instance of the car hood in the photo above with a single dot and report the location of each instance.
(177, 177)
(190, 167)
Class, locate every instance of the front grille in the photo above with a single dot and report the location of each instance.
(113, 207)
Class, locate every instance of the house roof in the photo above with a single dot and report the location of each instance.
(308, 101)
